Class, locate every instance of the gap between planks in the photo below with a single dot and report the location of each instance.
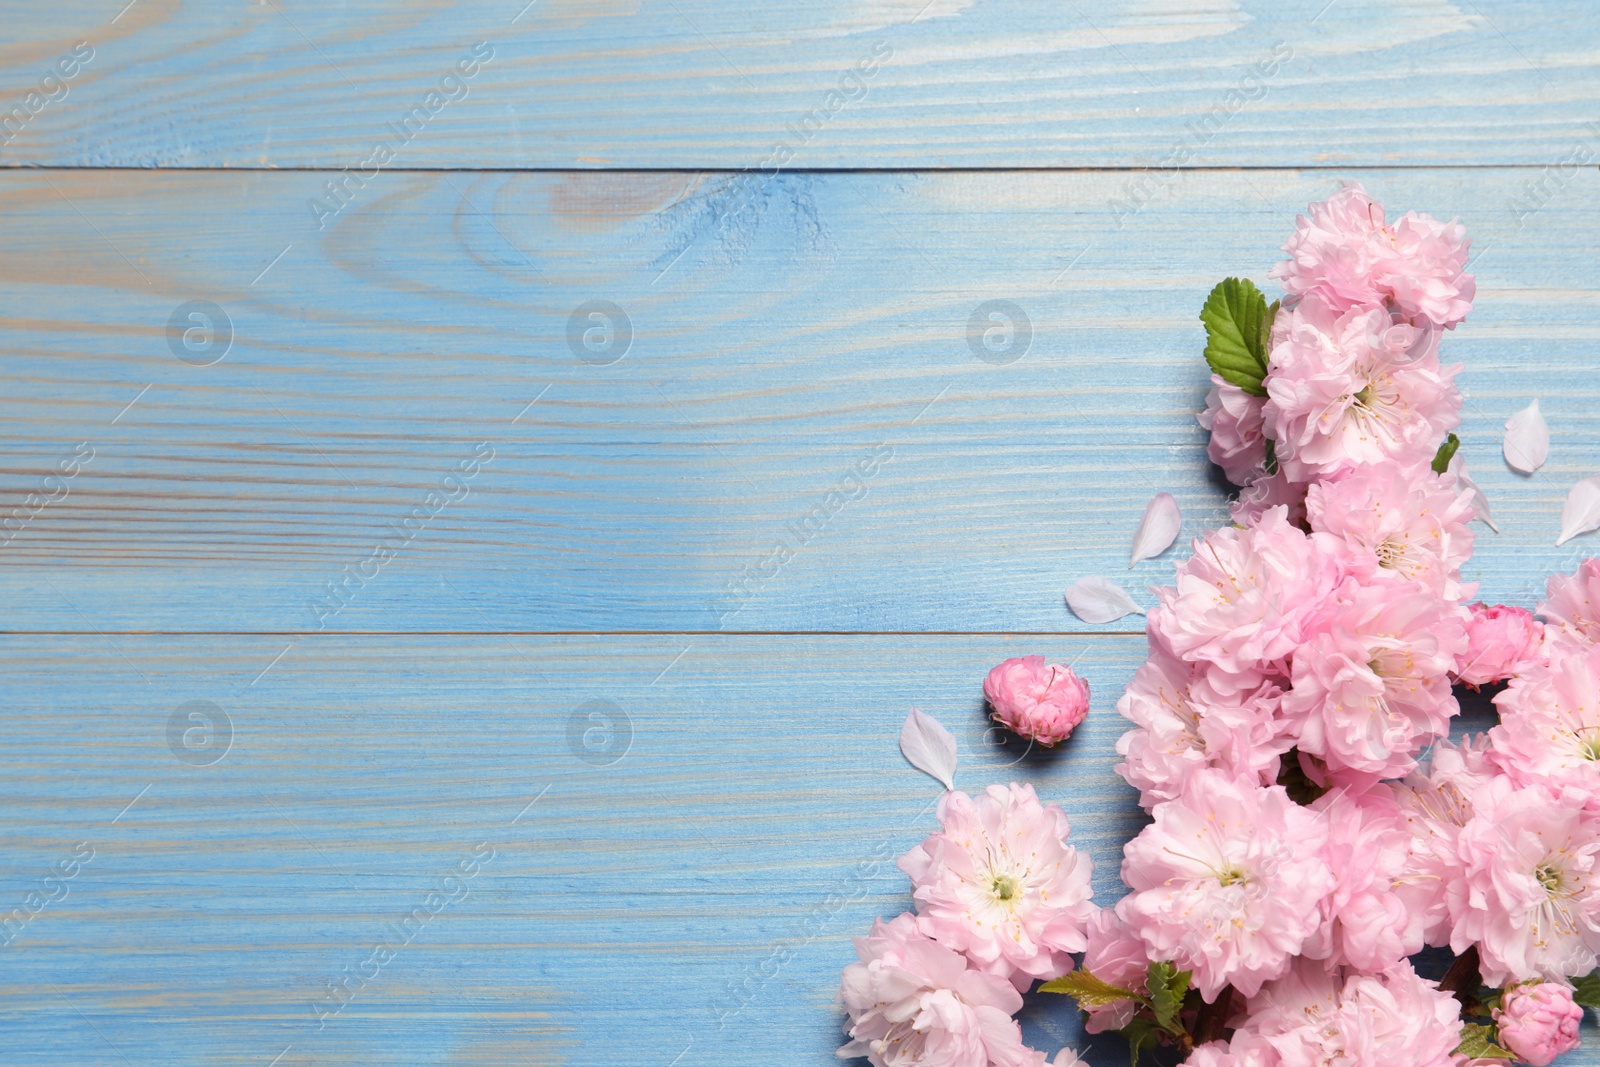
(24, 168)
(576, 633)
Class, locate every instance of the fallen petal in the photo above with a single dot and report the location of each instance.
(929, 747)
(1527, 443)
(1480, 503)
(1158, 529)
(1098, 600)
(1582, 510)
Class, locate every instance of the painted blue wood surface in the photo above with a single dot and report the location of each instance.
(771, 354)
(691, 902)
(634, 907)
(723, 83)
(685, 880)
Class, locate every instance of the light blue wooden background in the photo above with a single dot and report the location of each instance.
(691, 902)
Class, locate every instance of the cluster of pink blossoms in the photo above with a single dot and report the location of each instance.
(1314, 647)
(1002, 899)
(1312, 825)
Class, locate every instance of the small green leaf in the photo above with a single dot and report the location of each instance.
(1141, 1034)
(1264, 343)
(1447, 451)
(1237, 319)
(1167, 986)
(1477, 1043)
(1272, 456)
(1089, 991)
(1586, 990)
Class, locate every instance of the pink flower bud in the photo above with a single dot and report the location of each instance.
(1036, 700)
(1501, 642)
(1538, 1022)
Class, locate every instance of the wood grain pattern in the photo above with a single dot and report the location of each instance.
(591, 817)
(721, 83)
(681, 882)
(775, 350)
(635, 907)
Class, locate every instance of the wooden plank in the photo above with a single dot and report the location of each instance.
(775, 356)
(722, 83)
(755, 808)
(682, 882)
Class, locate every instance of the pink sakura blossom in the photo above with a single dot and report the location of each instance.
(1365, 923)
(1397, 522)
(1212, 1054)
(1550, 722)
(1572, 605)
(1116, 956)
(1501, 642)
(1538, 1022)
(1000, 884)
(1373, 685)
(1435, 805)
(1246, 1049)
(1227, 882)
(1036, 700)
(915, 1003)
(1237, 443)
(1345, 255)
(1240, 599)
(1354, 389)
(1531, 901)
(1313, 1018)
(1187, 716)
(1264, 494)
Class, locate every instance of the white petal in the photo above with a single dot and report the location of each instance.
(1582, 510)
(929, 747)
(1158, 529)
(1527, 443)
(1480, 503)
(1096, 600)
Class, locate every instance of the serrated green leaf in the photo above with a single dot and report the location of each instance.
(1586, 990)
(1264, 344)
(1167, 986)
(1141, 1035)
(1089, 991)
(1447, 451)
(1477, 1043)
(1236, 316)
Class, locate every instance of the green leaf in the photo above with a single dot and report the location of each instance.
(1272, 456)
(1477, 1043)
(1586, 990)
(1264, 338)
(1141, 1034)
(1441, 458)
(1089, 991)
(1237, 320)
(1167, 986)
